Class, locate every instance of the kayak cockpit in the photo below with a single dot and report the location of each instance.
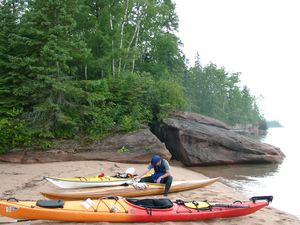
(152, 203)
(50, 203)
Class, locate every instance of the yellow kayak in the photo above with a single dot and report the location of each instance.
(97, 181)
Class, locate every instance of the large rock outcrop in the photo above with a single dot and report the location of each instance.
(136, 147)
(199, 140)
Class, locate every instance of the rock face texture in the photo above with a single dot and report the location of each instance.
(136, 147)
(198, 140)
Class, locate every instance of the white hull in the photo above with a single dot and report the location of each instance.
(85, 184)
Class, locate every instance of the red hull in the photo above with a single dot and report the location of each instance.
(182, 213)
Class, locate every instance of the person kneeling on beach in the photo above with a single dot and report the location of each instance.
(161, 174)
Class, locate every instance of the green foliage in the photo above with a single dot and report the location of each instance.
(132, 94)
(123, 150)
(46, 144)
(83, 69)
(262, 125)
(128, 123)
(272, 123)
(169, 98)
(73, 108)
(10, 11)
(164, 59)
(13, 133)
(214, 92)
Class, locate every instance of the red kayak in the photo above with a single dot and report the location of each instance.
(116, 209)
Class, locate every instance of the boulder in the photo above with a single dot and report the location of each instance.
(135, 147)
(198, 140)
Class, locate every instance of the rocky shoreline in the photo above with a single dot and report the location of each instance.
(193, 139)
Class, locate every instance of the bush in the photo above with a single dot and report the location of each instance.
(132, 95)
(13, 132)
(169, 97)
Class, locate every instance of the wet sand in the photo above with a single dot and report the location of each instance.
(25, 181)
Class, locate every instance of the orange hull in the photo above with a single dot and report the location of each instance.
(72, 211)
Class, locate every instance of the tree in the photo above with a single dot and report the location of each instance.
(10, 15)
(86, 68)
(130, 35)
(159, 47)
(214, 92)
(46, 48)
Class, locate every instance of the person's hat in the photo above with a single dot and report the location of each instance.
(155, 159)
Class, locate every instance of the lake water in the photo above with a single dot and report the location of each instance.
(279, 180)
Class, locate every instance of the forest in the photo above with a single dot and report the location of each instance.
(85, 69)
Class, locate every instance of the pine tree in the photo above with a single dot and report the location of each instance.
(49, 52)
(10, 13)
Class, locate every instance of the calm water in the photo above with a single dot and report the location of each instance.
(281, 181)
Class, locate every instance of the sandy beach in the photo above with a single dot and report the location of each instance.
(25, 181)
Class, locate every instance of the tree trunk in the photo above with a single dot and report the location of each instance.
(135, 36)
(101, 72)
(57, 68)
(85, 71)
(122, 35)
(135, 47)
(112, 46)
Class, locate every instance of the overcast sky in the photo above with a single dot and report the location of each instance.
(259, 38)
